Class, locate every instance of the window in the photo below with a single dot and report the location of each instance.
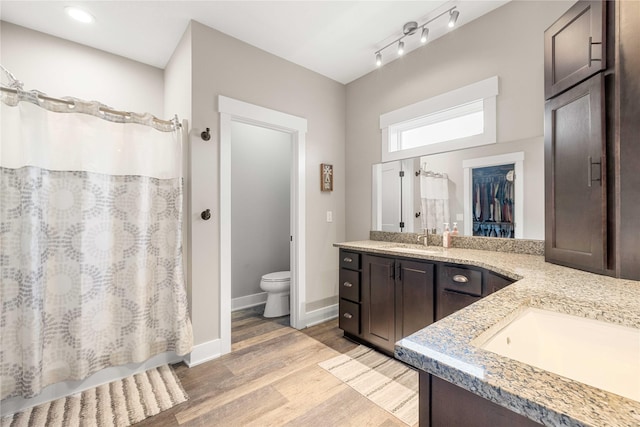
(462, 118)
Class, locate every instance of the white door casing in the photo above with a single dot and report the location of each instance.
(239, 111)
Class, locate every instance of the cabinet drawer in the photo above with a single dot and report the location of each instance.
(461, 279)
(350, 260)
(350, 285)
(449, 302)
(349, 320)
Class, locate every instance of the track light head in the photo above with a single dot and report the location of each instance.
(400, 48)
(424, 35)
(453, 17)
(378, 59)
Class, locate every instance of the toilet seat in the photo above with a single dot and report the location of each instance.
(278, 276)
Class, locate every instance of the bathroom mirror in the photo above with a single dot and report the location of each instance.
(398, 205)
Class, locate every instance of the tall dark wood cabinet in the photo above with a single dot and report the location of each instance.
(592, 138)
(575, 129)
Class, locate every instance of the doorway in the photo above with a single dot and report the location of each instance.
(232, 110)
(260, 209)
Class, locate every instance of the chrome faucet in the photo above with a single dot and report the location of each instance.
(424, 238)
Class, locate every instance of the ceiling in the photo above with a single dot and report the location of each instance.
(337, 39)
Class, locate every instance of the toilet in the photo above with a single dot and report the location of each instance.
(277, 286)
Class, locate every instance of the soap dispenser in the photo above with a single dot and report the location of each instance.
(454, 232)
(446, 237)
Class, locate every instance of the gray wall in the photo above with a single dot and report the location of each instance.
(507, 42)
(222, 65)
(62, 68)
(260, 205)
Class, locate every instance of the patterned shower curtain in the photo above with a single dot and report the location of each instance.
(91, 243)
(434, 193)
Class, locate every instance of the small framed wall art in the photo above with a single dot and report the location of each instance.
(326, 177)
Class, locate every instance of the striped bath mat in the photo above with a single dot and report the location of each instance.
(118, 404)
(388, 383)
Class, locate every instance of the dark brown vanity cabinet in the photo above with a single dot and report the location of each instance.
(575, 47)
(396, 299)
(383, 299)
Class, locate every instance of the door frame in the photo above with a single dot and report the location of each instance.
(233, 110)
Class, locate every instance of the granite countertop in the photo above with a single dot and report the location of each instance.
(446, 348)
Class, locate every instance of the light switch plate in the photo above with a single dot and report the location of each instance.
(329, 216)
(459, 217)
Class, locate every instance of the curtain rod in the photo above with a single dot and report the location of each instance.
(103, 109)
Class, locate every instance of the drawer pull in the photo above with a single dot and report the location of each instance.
(347, 259)
(347, 284)
(460, 278)
(347, 315)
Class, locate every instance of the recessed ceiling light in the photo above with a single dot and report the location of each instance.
(79, 14)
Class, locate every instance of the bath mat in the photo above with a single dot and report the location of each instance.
(117, 404)
(386, 382)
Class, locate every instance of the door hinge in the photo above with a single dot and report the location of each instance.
(401, 224)
(401, 173)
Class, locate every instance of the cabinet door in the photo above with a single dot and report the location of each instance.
(575, 207)
(574, 47)
(414, 297)
(378, 301)
(450, 301)
(495, 283)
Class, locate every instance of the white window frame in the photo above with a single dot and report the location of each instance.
(394, 122)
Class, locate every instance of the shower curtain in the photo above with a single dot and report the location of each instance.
(91, 242)
(434, 194)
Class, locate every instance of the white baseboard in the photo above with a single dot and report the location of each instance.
(104, 376)
(204, 352)
(248, 301)
(321, 315)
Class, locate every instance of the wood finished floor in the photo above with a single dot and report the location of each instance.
(272, 378)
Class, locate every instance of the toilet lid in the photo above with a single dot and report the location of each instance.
(278, 276)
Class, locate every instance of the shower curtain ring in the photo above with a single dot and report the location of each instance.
(205, 135)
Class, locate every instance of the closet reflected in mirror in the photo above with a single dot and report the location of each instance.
(492, 199)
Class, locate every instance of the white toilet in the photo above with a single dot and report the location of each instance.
(277, 286)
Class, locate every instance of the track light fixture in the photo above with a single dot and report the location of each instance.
(411, 27)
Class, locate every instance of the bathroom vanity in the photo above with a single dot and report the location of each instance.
(464, 383)
(386, 298)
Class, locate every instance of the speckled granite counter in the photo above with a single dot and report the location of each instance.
(445, 348)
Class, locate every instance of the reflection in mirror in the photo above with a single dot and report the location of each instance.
(398, 203)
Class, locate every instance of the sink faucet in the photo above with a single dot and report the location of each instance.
(424, 238)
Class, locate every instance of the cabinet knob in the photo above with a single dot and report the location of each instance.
(460, 278)
(347, 284)
(347, 316)
(206, 214)
(347, 259)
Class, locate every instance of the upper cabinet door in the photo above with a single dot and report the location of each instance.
(574, 47)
